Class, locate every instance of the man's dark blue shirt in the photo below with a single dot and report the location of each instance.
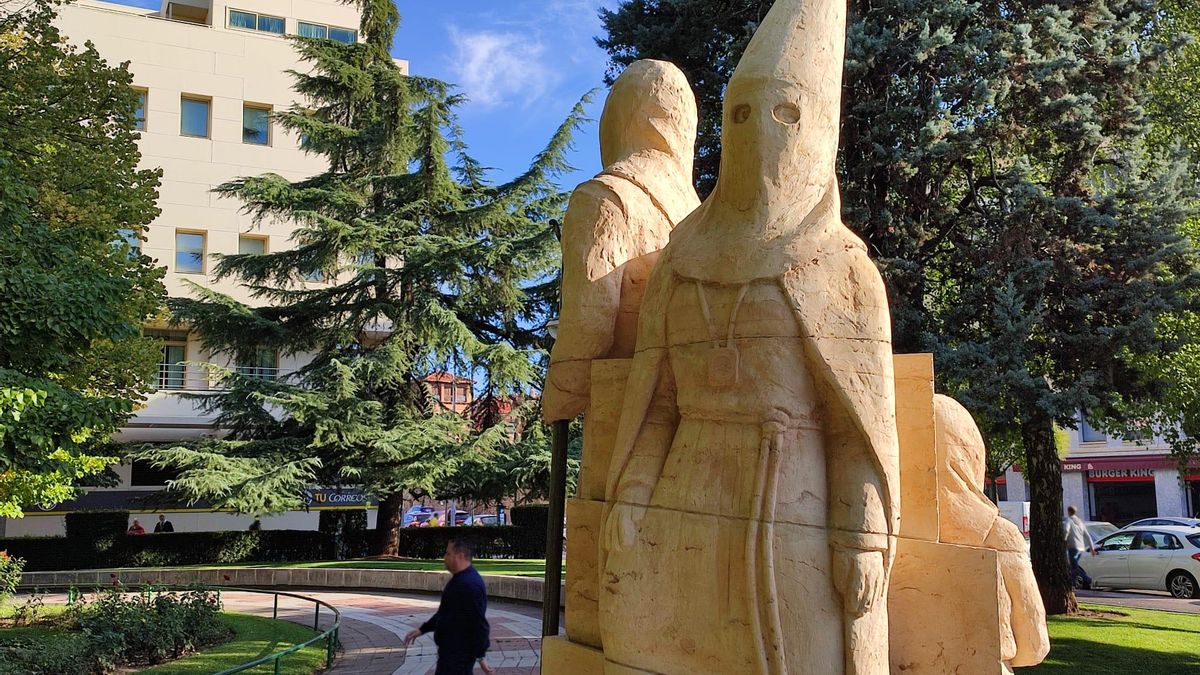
(460, 625)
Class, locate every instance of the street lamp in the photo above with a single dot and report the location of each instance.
(552, 588)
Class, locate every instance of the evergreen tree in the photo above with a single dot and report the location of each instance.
(423, 264)
(74, 291)
(994, 160)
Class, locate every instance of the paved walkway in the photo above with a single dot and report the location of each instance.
(1141, 600)
(374, 624)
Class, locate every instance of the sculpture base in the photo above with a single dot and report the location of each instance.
(560, 656)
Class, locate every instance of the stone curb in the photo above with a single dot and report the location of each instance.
(527, 589)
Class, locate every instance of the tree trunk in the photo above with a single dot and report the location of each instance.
(1044, 472)
(387, 524)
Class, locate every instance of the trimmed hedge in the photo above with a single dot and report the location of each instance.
(163, 550)
(88, 525)
(530, 515)
(489, 542)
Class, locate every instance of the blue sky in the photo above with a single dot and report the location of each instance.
(521, 63)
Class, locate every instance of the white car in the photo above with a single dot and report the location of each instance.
(1161, 557)
(1166, 520)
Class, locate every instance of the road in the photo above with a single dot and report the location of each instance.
(1140, 600)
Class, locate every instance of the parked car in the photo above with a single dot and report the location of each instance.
(486, 519)
(1163, 557)
(416, 516)
(1100, 529)
(1166, 520)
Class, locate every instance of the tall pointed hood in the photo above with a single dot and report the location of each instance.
(782, 108)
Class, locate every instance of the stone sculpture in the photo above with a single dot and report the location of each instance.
(617, 223)
(969, 518)
(754, 471)
(739, 505)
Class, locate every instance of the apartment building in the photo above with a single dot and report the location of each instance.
(209, 73)
(1119, 480)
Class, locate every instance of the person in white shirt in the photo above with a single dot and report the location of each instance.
(1078, 540)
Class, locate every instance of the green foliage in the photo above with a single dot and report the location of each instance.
(150, 627)
(172, 549)
(72, 360)
(39, 651)
(10, 575)
(427, 265)
(94, 525)
(500, 542)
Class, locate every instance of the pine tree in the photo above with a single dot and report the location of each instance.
(994, 159)
(426, 265)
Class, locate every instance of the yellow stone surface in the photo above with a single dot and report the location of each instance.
(934, 628)
(564, 657)
(918, 459)
(583, 572)
(600, 425)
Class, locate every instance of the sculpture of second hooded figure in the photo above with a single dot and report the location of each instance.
(755, 472)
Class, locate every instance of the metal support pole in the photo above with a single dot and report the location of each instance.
(552, 589)
(275, 610)
(317, 617)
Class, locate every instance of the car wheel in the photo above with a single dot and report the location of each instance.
(1183, 585)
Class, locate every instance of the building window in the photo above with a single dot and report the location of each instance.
(262, 365)
(194, 114)
(462, 395)
(189, 252)
(313, 30)
(252, 245)
(256, 125)
(343, 35)
(139, 113)
(172, 373)
(1087, 434)
(318, 30)
(260, 22)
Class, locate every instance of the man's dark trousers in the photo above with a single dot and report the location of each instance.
(454, 664)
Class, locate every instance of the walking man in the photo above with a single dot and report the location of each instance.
(1078, 540)
(460, 627)
(163, 525)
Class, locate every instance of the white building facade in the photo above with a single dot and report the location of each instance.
(1119, 481)
(209, 74)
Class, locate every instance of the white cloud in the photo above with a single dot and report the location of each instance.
(500, 68)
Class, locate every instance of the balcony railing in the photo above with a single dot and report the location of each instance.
(185, 377)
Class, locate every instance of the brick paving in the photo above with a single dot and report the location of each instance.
(374, 625)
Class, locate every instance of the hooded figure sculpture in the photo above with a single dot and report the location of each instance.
(755, 472)
(967, 517)
(617, 223)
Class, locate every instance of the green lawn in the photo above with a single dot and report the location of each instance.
(253, 637)
(1158, 643)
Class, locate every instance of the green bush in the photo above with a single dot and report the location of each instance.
(164, 550)
(10, 575)
(489, 542)
(148, 628)
(530, 515)
(93, 525)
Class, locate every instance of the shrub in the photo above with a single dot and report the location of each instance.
(179, 548)
(10, 575)
(92, 525)
(489, 542)
(50, 653)
(530, 515)
(150, 627)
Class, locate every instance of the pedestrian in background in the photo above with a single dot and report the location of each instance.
(460, 626)
(163, 525)
(1078, 541)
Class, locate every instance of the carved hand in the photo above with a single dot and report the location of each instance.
(860, 577)
(622, 526)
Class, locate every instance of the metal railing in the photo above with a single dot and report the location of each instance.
(329, 635)
(187, 377)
